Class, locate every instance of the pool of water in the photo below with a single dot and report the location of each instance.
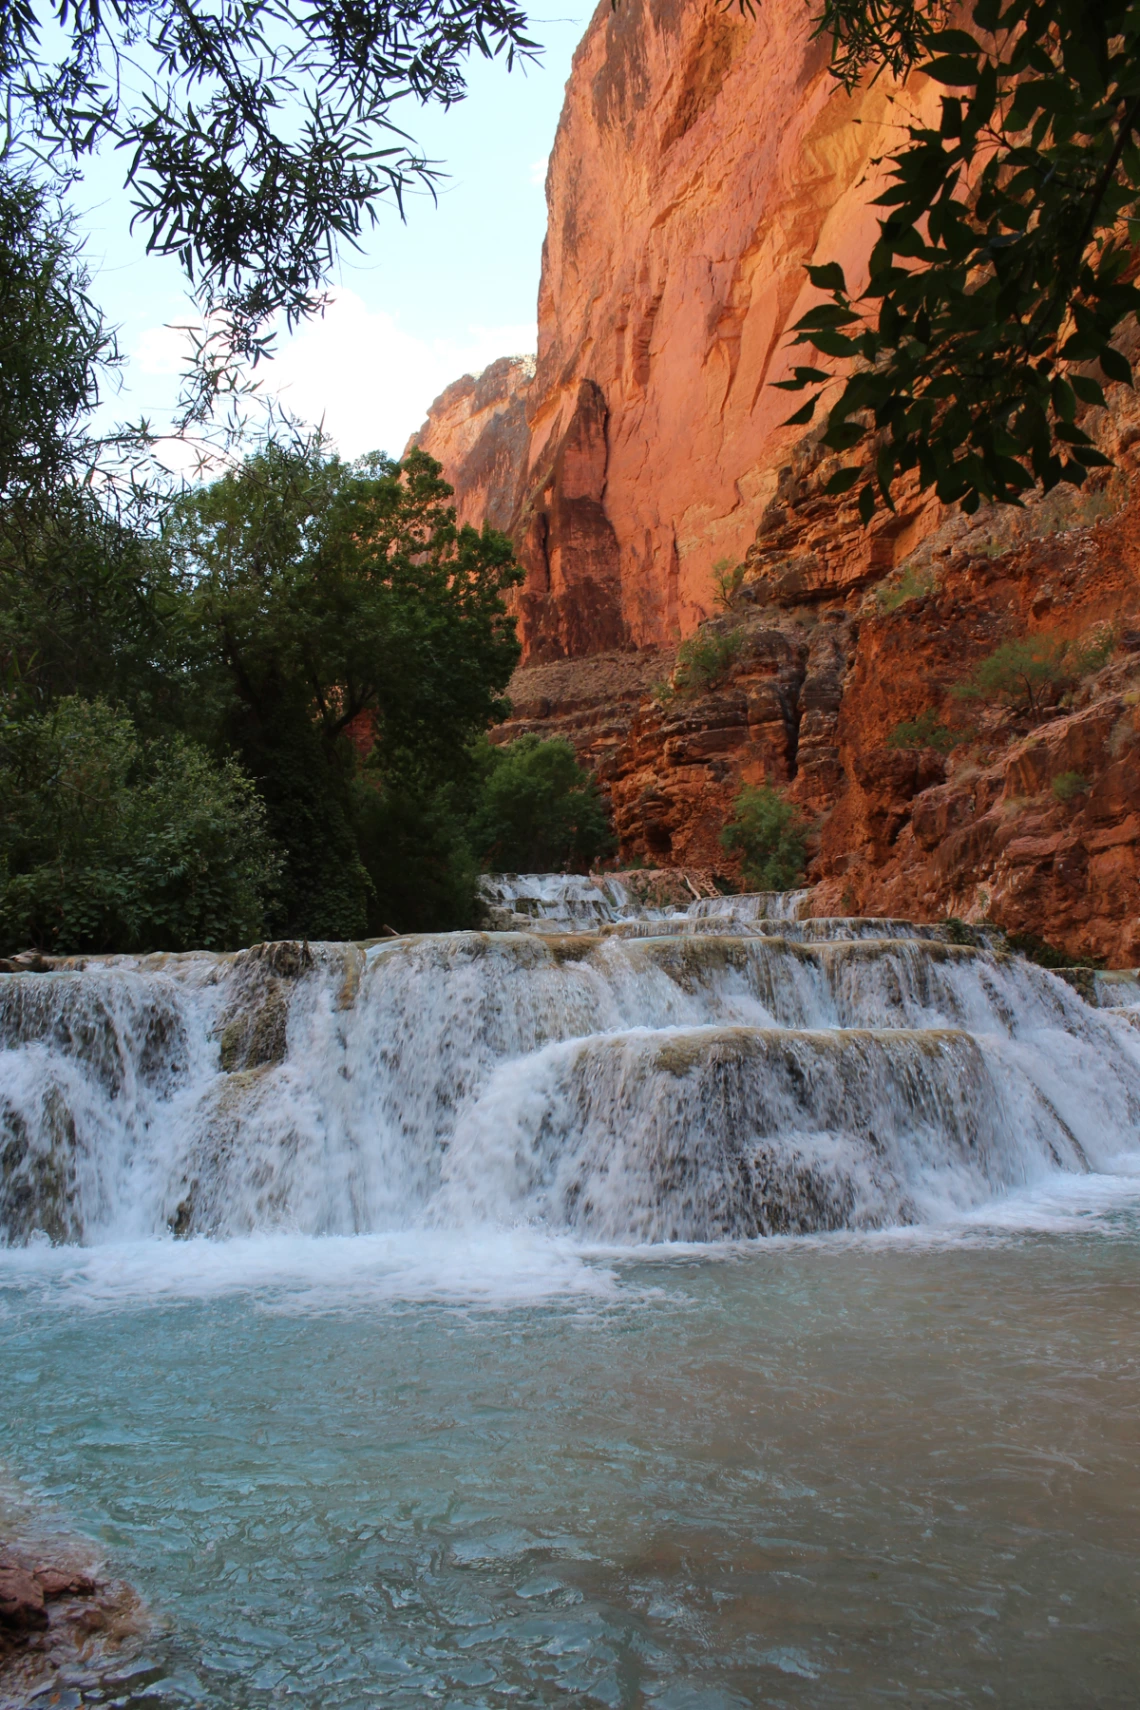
(396, 1471)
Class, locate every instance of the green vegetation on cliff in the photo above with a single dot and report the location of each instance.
(770, 835)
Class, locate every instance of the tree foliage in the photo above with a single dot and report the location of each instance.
(88, 605)
(1002, 270)
(342, 628)
(350, 588)
(111, 843)
(539, 811)
(770, 835)
(257, 135)
(54, 346)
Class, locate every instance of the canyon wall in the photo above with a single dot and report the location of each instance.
(702, 158)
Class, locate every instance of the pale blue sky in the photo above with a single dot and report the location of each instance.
(446, 292)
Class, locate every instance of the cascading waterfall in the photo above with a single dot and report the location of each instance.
(619, 1071)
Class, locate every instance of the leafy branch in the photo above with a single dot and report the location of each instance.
(1002, 273)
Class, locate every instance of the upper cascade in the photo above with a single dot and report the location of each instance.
(621, 1070)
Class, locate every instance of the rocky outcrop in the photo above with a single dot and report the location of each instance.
(1028, 817)
(60, 1619)
(477, 429)
(592, 702)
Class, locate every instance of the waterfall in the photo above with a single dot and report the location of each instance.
(625, 1069)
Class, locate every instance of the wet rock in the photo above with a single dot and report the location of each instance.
(28, 962)
(1082, 980)
(58, 1617)
(22, 1600)
(253, 1027)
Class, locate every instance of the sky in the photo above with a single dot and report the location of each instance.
(440, 296)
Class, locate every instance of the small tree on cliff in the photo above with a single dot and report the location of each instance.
(770, 835)
(1034, 671)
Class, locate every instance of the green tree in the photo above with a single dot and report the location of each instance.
(539, 811)
(346, 631)
(770, 835)
(88, 606)
(416, 851)
(1000, 276)
(54, 346)
(109, 843)
(1035, 670)
(1020, 674)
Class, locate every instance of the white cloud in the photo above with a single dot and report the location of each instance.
(538, 171)
(161, 350)
(358, 370)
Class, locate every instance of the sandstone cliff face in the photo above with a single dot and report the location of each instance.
(702, 158)
(477, 429)
(1031, 820)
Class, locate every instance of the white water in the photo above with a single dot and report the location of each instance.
(656, 1080)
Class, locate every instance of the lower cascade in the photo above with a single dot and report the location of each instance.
(625, 1074)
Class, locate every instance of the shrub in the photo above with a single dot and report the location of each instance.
(703, 661)
(909, 584)
(1091, 652)
(925, 731)
(1019, 674)
(538, 810)
(1047, 955)
(771, 837)
(1027, 673)
(727, 580)
(1066, 785)
(113, 844)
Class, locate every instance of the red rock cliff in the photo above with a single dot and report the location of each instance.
(701, 159)
(477, 429)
